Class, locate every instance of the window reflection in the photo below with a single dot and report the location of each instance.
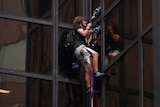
(31, 8)
(17, 87)
(39, 49)
(12, 44)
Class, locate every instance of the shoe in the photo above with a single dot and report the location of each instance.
(75, 65)
(97, 74)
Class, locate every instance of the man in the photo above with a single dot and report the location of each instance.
(86, 55)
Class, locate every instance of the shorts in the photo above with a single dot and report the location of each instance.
(111, 53)
(114, 53)
(83, 53)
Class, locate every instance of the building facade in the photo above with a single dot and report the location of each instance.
(35, 72)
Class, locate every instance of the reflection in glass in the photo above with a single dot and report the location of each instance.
(70, 95)
(16, 7)
(38, 93)
(68, 9)
(39, 49)
(31, 8)
(131, 68)
(17, 87)
(12, 44)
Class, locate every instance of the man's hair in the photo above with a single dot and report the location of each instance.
(113, 25)
(78, 20)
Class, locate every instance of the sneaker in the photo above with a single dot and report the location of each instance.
(97, 74)
(75, 65)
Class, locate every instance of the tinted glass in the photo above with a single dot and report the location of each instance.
(13, 44)
(31, 8)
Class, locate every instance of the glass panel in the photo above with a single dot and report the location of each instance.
(108, 3)
(39, 9)
(70, 95)
(148, 65)
(147, 13)
(17, 91)
(39, 93)
(130, 17)
(13, 44)
(132, 101)
(112, 99)
(148, 102)
(68, 9)
(40, 47)
(132, 68)
(31, 8)
(113, 46)
(16, 7)
(113, 17)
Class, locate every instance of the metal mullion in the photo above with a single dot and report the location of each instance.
(141, 96)
(25, 74)
(55, 53)
(156, 49)
(103, 88)
(25, 19)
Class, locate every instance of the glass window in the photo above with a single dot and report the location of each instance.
(32, 8)
(12, 91)
(39, 49)
(70, 95)
(68, 9)
(13, 44)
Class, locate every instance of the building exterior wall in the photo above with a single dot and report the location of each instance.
(30, 53)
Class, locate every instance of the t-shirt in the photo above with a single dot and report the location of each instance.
(112, 44)
(79, 39)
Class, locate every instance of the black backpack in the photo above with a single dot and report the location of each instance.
(69, 40)
(66, 49)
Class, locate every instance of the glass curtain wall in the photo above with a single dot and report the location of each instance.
(32, 52)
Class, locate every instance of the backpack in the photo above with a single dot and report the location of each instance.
(67, 50)
(69, 40)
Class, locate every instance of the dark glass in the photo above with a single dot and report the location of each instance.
(112, 99)
(146, 13)
(148, 102)
(13, 44)
(132, 100)
(108, 3)
(31, 8)
(148, 64)
(70, 95)
(112, 19)
(132, 68)
(39, 49)
(130, 18)
(69, 9)
(38, 93)
(17, 91)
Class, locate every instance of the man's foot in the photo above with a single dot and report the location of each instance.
(97, 74)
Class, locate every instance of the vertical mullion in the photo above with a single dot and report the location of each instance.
(156, 49)
(55, 52)
(103, 97)
(141, 96)
(122, 63)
